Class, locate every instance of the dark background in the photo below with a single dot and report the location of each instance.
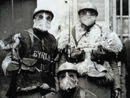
(15, 15)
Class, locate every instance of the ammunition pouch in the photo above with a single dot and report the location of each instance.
(101, 56)
(28, 64)
(31, 65)
(101, 74)
(13, 66)
(98, 56)
(76, 56)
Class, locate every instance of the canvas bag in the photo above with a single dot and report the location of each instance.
(103, 71)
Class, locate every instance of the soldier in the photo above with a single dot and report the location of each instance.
(124, 57)
(31, 61)
(93, 49)
(68, 84)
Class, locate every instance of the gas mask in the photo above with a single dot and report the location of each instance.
(88, 18)
(68, 80)
(42, 21)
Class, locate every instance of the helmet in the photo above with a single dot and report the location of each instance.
(43, 9)
(67, 67)
(87, 5)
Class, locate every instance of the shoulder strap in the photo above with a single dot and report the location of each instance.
(50, 95)
(30, 32)
(32, 39)
(100, 28)
(74, 36)
(32, 35)
(82, 93)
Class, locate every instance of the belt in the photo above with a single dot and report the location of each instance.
(47, 68)
(28, 92)
(32, 89)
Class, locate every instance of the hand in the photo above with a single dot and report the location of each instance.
(16, 36)
(67, 49)
(2, 44)
(116, 93)
(45, 86)
(75, 53)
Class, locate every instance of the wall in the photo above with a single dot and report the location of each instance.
(15, 15)
(65, 12)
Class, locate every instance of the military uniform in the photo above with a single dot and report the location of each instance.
(43, 49)
(124, 57)
(98, 69)
(78, 93)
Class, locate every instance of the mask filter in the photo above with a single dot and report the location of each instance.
(42, 22)
(88, 18)
(68, 83)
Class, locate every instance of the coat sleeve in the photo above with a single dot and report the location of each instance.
(110, 41)
(49, 95)
(6, 62)
(115, 70)
(14, 41)
(113, 44)
(62, 59)
(123, 80)
(89, 94)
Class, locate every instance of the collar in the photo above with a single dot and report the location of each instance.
(87, 28)
(40, 34)
(73, 92)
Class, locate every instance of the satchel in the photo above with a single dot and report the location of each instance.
(102, 74)
(13, 66)
(28, 64)
(76, 56)
(98, 55)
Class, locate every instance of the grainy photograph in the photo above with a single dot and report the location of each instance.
(64, 48)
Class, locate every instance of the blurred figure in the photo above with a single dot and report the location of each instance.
(124, 57)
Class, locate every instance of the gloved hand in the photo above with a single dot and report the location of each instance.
(45, 86)
(75, 53)
(116, 93)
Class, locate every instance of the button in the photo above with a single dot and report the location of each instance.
(65, 66)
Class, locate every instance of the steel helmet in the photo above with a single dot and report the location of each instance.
(87, 5)
(43, 9)
(67, 67)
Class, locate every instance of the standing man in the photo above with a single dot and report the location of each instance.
(68, 84)
(31, 60)
(124, 57)
(93, 49)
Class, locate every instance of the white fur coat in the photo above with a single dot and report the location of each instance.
(97, 36)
